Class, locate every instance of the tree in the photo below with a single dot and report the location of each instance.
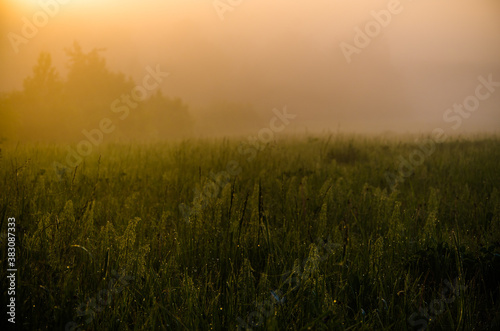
(91, 87)
(169, 116)
(50, 108)
(38, 106)
(9, 123)
(45, 82)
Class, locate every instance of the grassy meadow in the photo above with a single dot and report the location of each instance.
(304, 233)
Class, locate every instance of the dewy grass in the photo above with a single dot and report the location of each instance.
(253, 255)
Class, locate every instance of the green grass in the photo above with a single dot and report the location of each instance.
(311, 219)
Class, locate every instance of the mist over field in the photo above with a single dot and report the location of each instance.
(250, 165)
(230, 65)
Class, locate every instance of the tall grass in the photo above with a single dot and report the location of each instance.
(387, 256)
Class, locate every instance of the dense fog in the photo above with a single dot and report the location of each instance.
(221, 67)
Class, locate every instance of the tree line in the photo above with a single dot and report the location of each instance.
(50, 108)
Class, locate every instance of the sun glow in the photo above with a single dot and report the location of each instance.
(262, 52)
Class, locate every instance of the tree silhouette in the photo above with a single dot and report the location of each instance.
(90, 86)
(169, 117)
(45, 82)
(50, 108)
(31, 112)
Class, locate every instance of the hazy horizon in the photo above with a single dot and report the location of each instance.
(263, 55)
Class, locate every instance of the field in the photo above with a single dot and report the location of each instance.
(304, 233)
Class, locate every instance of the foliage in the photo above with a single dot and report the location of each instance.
(50, 108)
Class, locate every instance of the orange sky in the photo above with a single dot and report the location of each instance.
(276, 53)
